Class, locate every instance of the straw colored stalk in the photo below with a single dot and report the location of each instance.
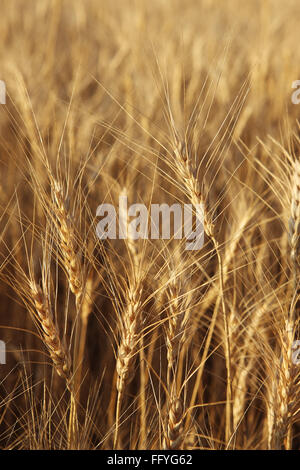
(177, 324)
(86, 309)
(245, 365)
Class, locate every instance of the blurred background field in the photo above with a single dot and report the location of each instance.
(141, 344)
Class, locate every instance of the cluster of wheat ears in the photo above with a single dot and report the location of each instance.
(142, 344)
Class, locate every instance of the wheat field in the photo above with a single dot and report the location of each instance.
(139, 343)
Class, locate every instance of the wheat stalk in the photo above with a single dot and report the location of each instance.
(245, 364)
(188, 175)
(130, 324)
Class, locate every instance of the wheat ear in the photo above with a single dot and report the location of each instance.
(294, 223)
(130, 335)
(130, 338)
(74, 271)
(282, 436)
(50, 333)
(286, 390)
(174, 429)
(68, 245)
